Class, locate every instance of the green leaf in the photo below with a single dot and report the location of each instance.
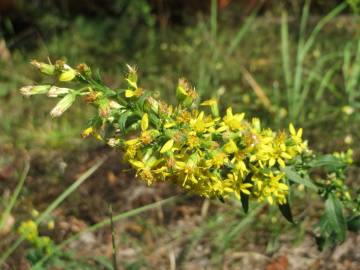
(122, 120)
(245, 202)
(154, 120)
(245, 197)
(354, 224)
(334, 214)
(295, 177)
(329, 162)
(221, 198)
(320, 242)
(286, 211)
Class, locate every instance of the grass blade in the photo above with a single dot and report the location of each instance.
(308, 44)
(107, 222)
(15, 195)
(241, 33)
(214, 15)
(113, 239)
(285, 53)
(53, 206)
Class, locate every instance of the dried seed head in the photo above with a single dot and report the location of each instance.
(43, 67)
(84, 69)
(34, 90)
(114, 105)
(64, 104)
(55, 91)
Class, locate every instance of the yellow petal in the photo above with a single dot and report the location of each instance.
(131, 142)
(87, 132)
(137, 164)
(281, 162)
(167, 146)
(292, 129)
(229, 112)
(129, 93)
(144, 122)
(209, 102)
(222, 129)
(169, 125)
(245, 191)
(299, 133)
(230, 147)
(283, 186)
(272, 162)
(286, 155)
(270, 199)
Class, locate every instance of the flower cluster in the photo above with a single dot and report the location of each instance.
(29, 230)
(202, 152)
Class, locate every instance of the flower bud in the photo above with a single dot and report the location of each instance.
(181, 90)
(184, 93)
(58, 91)
(67, 75)
(348, 110)
(132, 76)
(34, 90)
(213, 105)
(63, 105)
(51, 225)
(44, 68)
(114, 105)
(154, 104)
(104, 108)
(84, 69)
(144, 122)
(167, 146)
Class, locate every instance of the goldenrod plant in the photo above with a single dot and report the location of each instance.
(201, 151)
(41, 245)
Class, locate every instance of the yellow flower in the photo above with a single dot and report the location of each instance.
(233, 121)
(296, 135)
(230, 147)
(133, 93)
(273, 188)
(188, 171)
(238, 185)
(29, 230)
(218, 159)
(193, 141)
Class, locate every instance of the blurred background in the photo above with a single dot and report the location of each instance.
(282, 61)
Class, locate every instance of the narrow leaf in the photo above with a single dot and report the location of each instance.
(245, 202)
(245, 197)
(354, 224)
(286, 211)
(329, 162)
(334, 214)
